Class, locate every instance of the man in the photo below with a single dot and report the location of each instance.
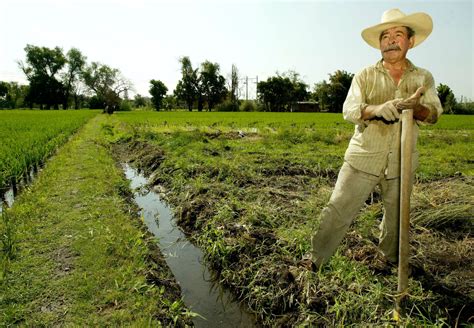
(375, 99)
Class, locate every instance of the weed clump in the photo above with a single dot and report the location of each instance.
(8, 243)
(446, 204)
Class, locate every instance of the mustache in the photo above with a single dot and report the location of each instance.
(391, 47)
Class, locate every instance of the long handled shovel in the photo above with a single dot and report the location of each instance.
(405, 191)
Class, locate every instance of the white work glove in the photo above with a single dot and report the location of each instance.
(413, 101)
(388, 110)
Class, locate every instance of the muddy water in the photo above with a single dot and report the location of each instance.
(7, 196)
(6, 199)
(200, 293)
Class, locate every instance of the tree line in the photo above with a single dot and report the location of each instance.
(205, 88)
(66, 80)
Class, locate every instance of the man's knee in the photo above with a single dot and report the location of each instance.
(333, 219)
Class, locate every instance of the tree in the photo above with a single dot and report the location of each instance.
(3, 95)
(187, 88)
(75, 64)
(280, 91)
(447, 98)
(42, 65)
(107, 83)
(79, 90)
(321, 94)
(231, 101)
(158, 92)
(300, 89)
(234, 87)
(95, 102)
(331, 96)
(3, 89)
(212, 84)
(12, 95)
(139, 101)
(275, 93)
(45, 91)
(169, 102)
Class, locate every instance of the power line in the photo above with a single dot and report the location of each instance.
(246, 82)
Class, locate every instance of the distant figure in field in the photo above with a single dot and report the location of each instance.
(375, 99)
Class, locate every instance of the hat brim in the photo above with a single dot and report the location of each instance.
(421, 23)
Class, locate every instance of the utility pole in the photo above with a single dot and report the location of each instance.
(246, 82)
(246, 88)
(256, 87)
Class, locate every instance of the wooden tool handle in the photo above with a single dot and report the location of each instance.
(405, 191)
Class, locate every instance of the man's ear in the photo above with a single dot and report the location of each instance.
(412, 41)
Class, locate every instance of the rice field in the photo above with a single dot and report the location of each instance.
(29, 137)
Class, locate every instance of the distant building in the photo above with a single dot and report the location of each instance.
(305, 106)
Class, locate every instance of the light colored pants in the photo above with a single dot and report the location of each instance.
(352, 189)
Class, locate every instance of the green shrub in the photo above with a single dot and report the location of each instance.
(227, 106)
(248, 106)
(125, 106)
(466, 108)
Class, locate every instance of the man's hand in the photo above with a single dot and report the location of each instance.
(390, 110)
(413, 101)
(387, 110)
(420, 112)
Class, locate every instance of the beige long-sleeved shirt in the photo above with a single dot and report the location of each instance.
(375, 145)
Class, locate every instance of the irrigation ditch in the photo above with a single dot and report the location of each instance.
(7, 197)
(201, 292)
(73, 252)
(8, 193)
(214, 305)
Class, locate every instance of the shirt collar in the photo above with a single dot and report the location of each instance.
(410, 67)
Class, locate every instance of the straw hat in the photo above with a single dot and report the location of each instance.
(421, 23)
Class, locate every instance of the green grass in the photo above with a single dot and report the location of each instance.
(232, 120)
(252, 200)
(446, 148)
(81, 255)
(249, 188)
(453, 122)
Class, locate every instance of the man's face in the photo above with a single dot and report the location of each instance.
(394, 43)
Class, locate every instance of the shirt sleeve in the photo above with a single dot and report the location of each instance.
(431, 101)
(355, 101)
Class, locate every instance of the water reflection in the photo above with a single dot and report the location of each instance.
(7, 195)
(200, 293)
(6, 199)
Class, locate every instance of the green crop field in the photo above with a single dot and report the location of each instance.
(29, 137)
(445, 147)
(248, 189)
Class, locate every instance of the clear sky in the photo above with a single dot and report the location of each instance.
(146, 38)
